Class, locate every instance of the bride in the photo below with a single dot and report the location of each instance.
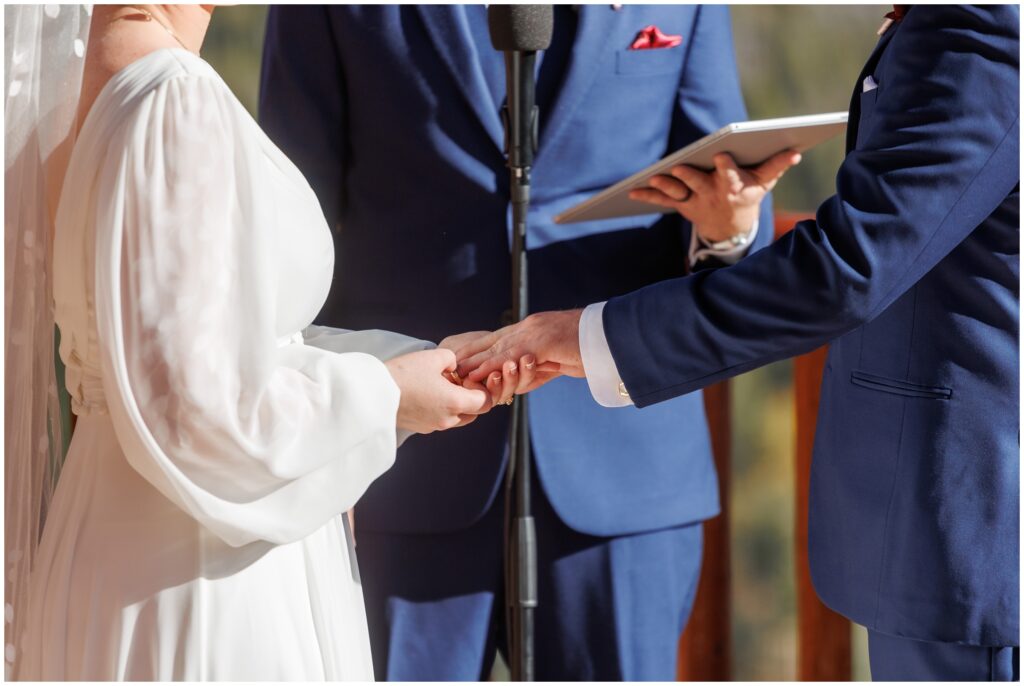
(197, 531)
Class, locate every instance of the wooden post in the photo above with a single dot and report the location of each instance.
(824, 650)
(705, 652)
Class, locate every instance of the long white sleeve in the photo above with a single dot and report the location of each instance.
(384, 345)
(257, 436)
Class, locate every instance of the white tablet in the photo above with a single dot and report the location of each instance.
(750, 143)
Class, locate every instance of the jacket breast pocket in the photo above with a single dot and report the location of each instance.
(649, 62)
(899, 387)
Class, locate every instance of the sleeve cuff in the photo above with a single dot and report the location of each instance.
(700, 250)
(598, 364)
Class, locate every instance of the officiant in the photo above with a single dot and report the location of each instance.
(392, 112)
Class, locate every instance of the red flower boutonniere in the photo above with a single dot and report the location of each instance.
(897, 14)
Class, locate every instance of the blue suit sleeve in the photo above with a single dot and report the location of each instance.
(939, 153)
(302, 98)
(709, 95)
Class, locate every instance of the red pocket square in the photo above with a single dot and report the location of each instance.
(651, 38)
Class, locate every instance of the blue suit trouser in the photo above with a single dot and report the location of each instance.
(610, 608)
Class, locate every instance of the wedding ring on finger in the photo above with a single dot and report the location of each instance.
(507, 402)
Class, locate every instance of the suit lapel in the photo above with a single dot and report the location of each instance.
(449, 31)
(869, 67)
(595, 24)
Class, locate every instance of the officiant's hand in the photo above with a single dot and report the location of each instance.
(550, 338)
(721, 203)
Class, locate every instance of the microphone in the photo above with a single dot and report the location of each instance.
(520, 31)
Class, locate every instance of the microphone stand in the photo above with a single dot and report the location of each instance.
(520, 119)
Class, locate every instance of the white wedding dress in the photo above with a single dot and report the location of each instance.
(197, 531)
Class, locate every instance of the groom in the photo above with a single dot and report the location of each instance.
(392, 112)
(912, 272)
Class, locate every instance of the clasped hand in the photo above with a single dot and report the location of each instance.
(548, 342)
(434, 397)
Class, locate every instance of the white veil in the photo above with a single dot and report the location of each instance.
(44, 50)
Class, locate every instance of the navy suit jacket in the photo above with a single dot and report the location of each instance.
(912, 271)
(386, 111)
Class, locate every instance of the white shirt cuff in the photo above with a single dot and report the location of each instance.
(598, 364)
(700, 250)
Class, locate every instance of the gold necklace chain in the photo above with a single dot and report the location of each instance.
(152, 17)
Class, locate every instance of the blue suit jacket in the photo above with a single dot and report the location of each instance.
(386, 111)
(912, 270)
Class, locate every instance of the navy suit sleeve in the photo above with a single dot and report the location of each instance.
(938, 154)
(709, 96)
(302, 98)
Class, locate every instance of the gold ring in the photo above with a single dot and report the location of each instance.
(455, 375)
(507, 402)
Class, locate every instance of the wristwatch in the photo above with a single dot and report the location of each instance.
(740, 240)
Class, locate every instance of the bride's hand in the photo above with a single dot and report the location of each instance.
(512, 379)
(430, 400)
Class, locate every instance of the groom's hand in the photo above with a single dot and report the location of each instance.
(551, 338)
(509, 379)
(460, 340)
